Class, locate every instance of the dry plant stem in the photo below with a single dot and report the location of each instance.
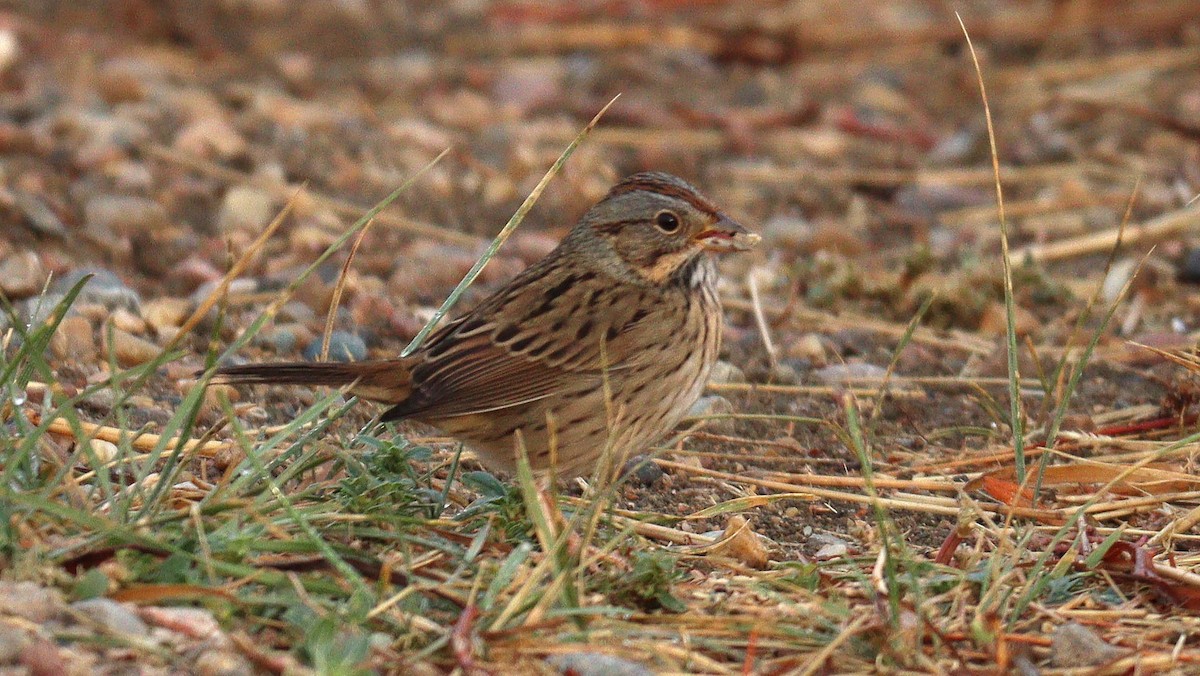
(816, 491)
(892, 178)
(1179, 525)
(1031, 207)
(339, 288)
(1158, 229)
(504, 233)
(760, 320)
(239, 266)
(808, 390)
(143, 441)
(817, 663)
(1016, 413)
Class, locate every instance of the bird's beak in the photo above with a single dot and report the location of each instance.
(726, 235)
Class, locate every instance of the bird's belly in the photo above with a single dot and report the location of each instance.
(572, 430)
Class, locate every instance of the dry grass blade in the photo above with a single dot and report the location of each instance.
(505, 232)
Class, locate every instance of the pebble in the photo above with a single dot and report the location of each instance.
(127, 321)
(38, 216)
(1188, 271)
(840, 373)
(828, 546)
(113, 617)
(809, 347)
(1074, 645)
(1118, 276)
(104, 288)
(166, 312)
(713, 405)
(642, 472)
(123, 215)
(105, 451)
(211, 136)
(31, 602)
(192, 622)
(283, 338)
(74, 340)
(10, 48)
(22, 275)
(343, 346)
(831, 551)
(245, 208)
(596, 664)
(128, 349)
(723, 372)
(295, 311)
(221, 663)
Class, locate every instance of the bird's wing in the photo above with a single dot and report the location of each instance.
(530, 342)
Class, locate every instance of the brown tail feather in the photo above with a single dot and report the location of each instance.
(388, 381)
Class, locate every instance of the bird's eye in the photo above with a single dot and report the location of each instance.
(667, 221)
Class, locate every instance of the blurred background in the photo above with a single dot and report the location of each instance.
(155, 140)
(149, 143)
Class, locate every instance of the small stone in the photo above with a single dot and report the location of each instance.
(211, 136)
(642, 471)
(104, 288)
(784, 374)
(283, 338)
(1074, 645)
(723, 372)
(101, 400)
(192, 622)
(213, 395)
(128, 349)
(842, 373)
(596, 664)
(38, 216)
(113, 617)
(105, 451)
(245, 208)
(221, 663)
(127, 321)
(1188, 271)
(30, 601)
(162, 313)
(10, 48)
(343, 346)
(295, 311)
(22, 275)
(157, 252)
(241, 285)
(831, 551)
(123, 215)
(809, 347)
(713, 405)
(74, 340)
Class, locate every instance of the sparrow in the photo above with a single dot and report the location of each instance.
(601, 346)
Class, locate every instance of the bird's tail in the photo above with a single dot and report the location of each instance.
(386, 381)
